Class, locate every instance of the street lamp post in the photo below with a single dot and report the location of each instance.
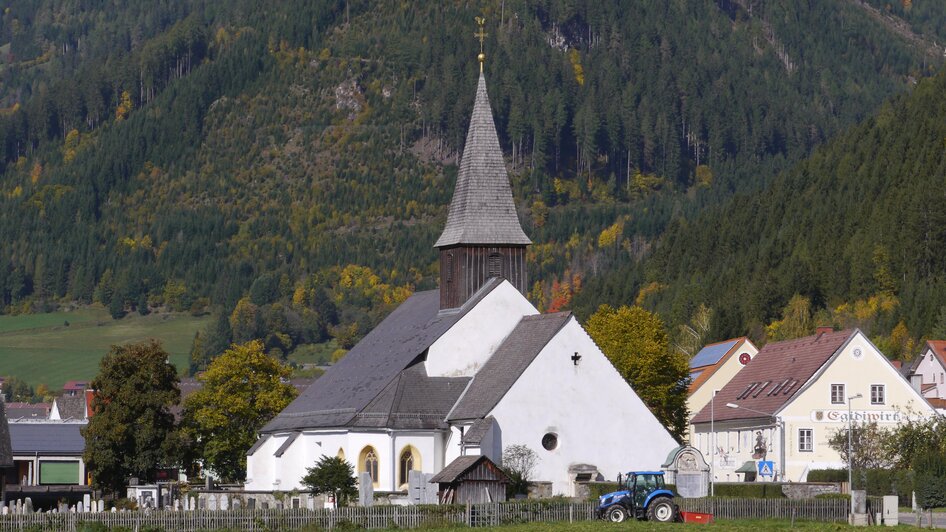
(850, 468)
(713, 444)
(781, 428)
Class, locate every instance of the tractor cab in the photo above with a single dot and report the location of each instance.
(644, 495)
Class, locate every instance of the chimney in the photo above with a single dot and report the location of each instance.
(824, 330)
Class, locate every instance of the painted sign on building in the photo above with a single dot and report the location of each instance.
(858, 416)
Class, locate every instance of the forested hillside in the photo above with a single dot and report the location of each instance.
(856, 233)
(290, 165)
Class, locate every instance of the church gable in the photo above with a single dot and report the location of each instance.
(463, 349)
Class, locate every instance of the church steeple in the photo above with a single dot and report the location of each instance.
(482, 238)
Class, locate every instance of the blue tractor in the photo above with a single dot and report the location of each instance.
(644, 496)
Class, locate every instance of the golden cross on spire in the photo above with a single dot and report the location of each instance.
(481, 35)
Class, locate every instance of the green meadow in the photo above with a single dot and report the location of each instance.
(60, 346)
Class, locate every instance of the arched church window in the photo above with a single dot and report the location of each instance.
(341, 453)
(409, 461)
(368, 463)
(495, 263)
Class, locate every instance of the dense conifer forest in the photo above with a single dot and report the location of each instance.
(288, 165)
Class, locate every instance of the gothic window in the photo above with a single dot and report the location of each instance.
(368, 463)
(495, 264)
(409, 461)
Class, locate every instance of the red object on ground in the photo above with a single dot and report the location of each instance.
(696, 517)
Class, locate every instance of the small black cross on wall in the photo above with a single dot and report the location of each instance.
(576, 357)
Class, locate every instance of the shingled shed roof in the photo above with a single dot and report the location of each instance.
(774, 376)
(503, 369)
(356, 380)
(466, 467)
(482, 210)
(50, 438)
(6, 449)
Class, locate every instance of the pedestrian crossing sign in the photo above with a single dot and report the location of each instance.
(765, 468)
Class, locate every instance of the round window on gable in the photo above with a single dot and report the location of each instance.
(550, 441)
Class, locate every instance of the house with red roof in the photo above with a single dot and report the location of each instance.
(776, 416)
(928, 371)
(715, 365)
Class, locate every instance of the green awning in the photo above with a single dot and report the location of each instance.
(748, 467)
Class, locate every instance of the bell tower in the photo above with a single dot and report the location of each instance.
(483, 237)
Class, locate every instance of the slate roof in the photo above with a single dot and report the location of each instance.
(413, 401)
(27, 411)
(47, 438)
(399, 341)
(774, 376)
(503, 369)
(71, 406)
(478, 430)
(6, 456)
(482, 210)
(711, 353)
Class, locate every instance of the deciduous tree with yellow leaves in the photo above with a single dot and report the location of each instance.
(636, 342)
(242, 390)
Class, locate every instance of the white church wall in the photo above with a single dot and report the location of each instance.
(596, 416)
(452, 448)
(260, 467)
(489, 322)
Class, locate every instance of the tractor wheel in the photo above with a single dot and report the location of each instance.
(661, 510)
(616, 514)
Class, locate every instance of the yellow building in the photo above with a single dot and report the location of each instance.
(714, 366)
(778, 414)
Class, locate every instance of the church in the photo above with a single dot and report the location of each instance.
(468, 369)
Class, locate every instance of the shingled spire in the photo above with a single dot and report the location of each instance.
(482, 238)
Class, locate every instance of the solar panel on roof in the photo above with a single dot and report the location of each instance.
(711, 354)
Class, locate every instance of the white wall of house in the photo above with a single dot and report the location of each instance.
(463, 349)
(859, 367)
(933, 372)
(597, 417)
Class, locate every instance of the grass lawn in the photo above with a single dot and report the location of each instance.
(319, 354)
(40, 348)
(747, 525)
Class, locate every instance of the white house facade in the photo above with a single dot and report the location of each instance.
(785, 406)
(467, 369)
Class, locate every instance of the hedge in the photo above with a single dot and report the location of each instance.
(754, 490)
(827, 475)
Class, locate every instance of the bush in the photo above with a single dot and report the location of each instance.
(597, 489)
(827, 475)
(844, 496)
(753, 490)
(930, 479)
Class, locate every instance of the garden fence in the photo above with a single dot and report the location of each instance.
(830, 510)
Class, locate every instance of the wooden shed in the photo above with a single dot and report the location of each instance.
(471, 479)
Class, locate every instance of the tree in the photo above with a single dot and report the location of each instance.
(636, 342)
(930, 479)
(129, 432)
(242, 390)
(796, 320)
(519, 462)
(16, 389)
(868, 445)
(334, 475)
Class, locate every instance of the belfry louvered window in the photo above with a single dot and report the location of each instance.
(495, 264)
(449, 267)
